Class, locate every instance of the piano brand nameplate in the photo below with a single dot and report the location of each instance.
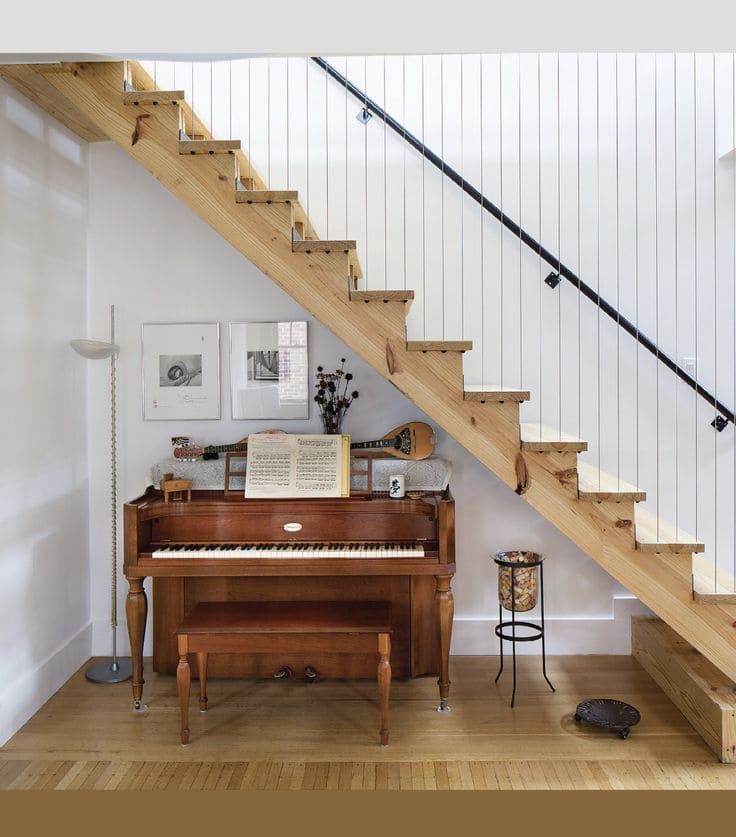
(292, 527)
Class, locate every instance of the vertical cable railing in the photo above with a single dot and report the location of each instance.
(592, 133)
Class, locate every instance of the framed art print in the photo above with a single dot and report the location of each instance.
(268, 370)
(181, 371)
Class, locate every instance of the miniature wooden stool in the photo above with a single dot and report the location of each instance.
(176, 489)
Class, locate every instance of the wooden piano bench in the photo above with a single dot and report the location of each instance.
(282, 627)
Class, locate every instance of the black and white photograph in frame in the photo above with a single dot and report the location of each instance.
(269, 370)
(263, 365)
(181, 371)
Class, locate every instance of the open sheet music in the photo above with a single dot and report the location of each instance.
(297, 465)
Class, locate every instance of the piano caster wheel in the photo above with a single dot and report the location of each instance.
(444, 707)
(139, 707)
(283, 673)
(310, 673)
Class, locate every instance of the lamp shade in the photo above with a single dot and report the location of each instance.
(94, 349)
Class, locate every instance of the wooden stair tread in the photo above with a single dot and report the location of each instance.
(320, 245)
(439, 345)
(153, 97)
(190, 146)
(709, 586)
(594, 484)
(543, 438)
(266, 196)
(381, 296)
(492, 393)
(662, 536)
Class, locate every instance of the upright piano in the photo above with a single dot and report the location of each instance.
(218, 548)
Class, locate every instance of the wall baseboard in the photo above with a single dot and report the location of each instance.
(475, 637)
(567, 635)
(25, 695)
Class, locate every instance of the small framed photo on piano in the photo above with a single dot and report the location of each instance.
(181, 371)
(269, 370)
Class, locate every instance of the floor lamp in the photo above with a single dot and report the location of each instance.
(114, 670)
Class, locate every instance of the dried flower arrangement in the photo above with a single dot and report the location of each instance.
(333, 397)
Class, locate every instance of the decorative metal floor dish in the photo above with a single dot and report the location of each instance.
(615, 715)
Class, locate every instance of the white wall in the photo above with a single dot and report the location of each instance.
(45, 633)
(157, 262)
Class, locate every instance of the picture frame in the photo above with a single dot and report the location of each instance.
(269, 370)
(180, 371)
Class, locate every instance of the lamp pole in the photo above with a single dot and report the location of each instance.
(114, 670)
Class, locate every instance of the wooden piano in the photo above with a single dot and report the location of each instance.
(217, 548)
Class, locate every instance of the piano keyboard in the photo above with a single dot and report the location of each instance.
(291, 550)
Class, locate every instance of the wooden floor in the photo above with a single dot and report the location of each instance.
(273, 734)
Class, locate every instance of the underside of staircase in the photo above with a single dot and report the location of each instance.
(214, 178)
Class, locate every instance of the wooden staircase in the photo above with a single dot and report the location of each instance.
(215, 179)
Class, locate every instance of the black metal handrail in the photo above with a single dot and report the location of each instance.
(554, 261)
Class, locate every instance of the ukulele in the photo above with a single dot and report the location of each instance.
(414, 440)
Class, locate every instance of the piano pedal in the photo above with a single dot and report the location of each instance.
(311, 674)
(283, 673)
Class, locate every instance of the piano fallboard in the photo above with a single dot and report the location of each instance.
(210, 520)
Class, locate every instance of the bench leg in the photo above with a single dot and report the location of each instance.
(384, 681)
(183, 681)
(202, 657)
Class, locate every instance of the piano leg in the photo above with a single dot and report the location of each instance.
(136, 610)
(446, 608)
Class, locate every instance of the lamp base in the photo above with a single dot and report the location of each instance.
(110, 671)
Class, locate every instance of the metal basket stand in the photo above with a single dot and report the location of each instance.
(513, 623)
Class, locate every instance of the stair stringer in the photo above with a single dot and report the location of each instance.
(432, 380)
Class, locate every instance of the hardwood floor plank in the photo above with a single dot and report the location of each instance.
(310, 772)
(298, 777)
(466, 777)
(533, 774)
(286, 776)
(213, 777)
(558, 770)
(453, 775)
(593, 775)
(417, 776)
(103, 777)
(189, 776)
(346, 776)
(26, 777)
(320, 778)
(430, 780)
(166, 777)
(502, 776)
(404, 775)
(476, 775)
(356, 776)
(441, 778)
(88, 768)
(53, 774)
(489, 776)
(382, 776)
(272, 778)
(71, 775)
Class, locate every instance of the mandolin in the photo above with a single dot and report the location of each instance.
(414, 440)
